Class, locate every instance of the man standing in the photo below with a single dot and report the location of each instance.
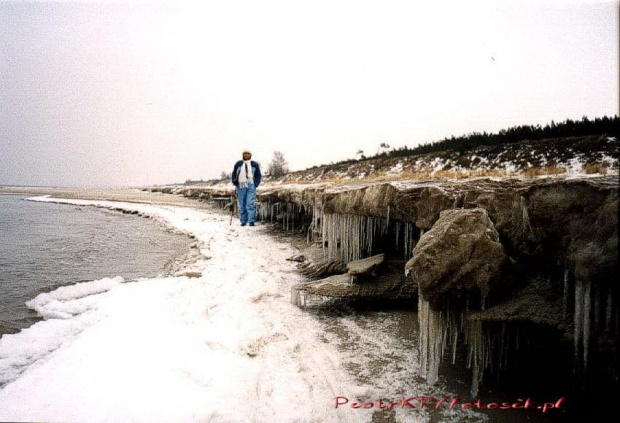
(246, 177)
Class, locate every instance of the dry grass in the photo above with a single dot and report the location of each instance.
(299, 182)
(409, 174)
(451, 174)
(596, 168)
(421, 174)
(412, 174)
(487, 172)
(336, 181)
(539, 171)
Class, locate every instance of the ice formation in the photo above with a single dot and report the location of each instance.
(440, 331)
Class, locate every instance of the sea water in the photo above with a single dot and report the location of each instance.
(44, 246)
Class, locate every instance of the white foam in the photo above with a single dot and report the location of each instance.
(65, 301)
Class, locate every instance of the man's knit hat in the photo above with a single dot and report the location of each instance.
(246, 151)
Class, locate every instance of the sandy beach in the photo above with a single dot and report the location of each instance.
(131, 195)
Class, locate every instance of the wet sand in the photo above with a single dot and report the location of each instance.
(132, 195)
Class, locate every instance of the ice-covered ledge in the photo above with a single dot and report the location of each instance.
(559, 237)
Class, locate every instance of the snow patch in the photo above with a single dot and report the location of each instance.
(574, 166)
(397, 168)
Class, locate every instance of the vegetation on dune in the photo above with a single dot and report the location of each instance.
(569, 128)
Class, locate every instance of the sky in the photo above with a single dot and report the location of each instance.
(134, 93)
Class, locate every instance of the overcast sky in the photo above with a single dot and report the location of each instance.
(150, 92)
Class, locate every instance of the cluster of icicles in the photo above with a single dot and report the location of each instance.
(344, 237)
(593, 311)
(440, 330)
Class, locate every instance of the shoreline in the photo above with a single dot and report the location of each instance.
(129, 195)
(177, 260)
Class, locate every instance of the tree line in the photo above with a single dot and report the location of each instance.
(568, 128)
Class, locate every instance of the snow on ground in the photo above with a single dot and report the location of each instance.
(396, 169)
(575, 166)
(227, 346)
(609, 161)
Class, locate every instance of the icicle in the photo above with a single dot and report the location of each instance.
(502, 345)
(609, 312)
(368, 230)
(587, 306)
(454, 340)
(397, 231)
(527, 228)
(433, 327)
(423, 311)
(437, 341)
(343, 241)
(324, 234)
(517, 339)
(474, 337)
(578, 322)
(597, 309)
(351, 237)
(566, 293)
(329, 223)
(479, 353)
(406, 240)
(388, 215)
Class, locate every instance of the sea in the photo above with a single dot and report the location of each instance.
(44, 246)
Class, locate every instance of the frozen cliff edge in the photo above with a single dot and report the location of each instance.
(543, 254)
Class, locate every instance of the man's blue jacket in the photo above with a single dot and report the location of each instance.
(255, 170)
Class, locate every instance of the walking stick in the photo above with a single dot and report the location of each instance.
(233, 204)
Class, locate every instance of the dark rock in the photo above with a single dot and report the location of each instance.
(297, 257)
(333, 286)
(189, 274)
(321, 267)
(534, 304)
(593, 249)
(461, 251)
(390, 284)
(366, 267)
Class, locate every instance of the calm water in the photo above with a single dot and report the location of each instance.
(44, 246)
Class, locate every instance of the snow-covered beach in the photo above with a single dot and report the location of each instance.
(225, 346)
(173, 349)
